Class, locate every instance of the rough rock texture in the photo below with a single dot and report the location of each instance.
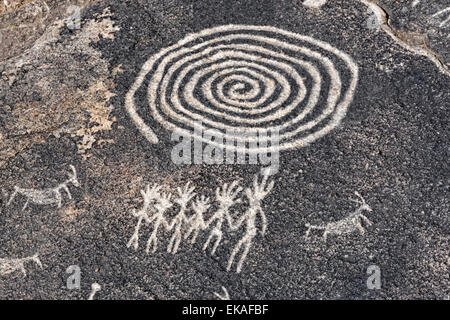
(63, 84)
(422, 23)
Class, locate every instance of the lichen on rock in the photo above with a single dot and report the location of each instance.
(60, 85)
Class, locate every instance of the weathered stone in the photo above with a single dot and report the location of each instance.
(63, 101)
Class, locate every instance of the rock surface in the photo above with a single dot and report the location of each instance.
(65, 70)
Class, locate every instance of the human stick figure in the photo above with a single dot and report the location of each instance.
(163, 203)
(349, 224)
(196, 222)
(150, 196)
(226, 197)
(184, 196)
(255, 196)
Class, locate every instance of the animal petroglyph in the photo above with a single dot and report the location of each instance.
(8, 266)
(224, 296)
(241, 80)
(95, 287)
(46, 196)
(190, 219)
(150, 196)
(349, 224)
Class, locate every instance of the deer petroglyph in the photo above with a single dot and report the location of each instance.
(350, 224)
(46, 196)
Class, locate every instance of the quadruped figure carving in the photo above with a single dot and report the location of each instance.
(351, 223)
(49, 195)
(8, 266)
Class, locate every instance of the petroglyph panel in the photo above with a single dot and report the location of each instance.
(187, 226)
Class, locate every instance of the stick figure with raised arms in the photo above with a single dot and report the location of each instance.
(197, 222)
(161, 206)
(226, 198)
(150, 196)
(184, 196)
(255, 196)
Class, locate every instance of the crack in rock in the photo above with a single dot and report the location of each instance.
(384, 19)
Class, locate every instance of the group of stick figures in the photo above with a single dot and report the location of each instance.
(183, 226)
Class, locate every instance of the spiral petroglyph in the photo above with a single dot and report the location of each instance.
(239, 79)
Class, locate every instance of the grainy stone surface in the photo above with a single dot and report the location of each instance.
(62, 102)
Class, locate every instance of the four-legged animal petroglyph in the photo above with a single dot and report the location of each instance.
(8, 266)
(349, 224)
(149, 195)
(185, 225)
(46, 196)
